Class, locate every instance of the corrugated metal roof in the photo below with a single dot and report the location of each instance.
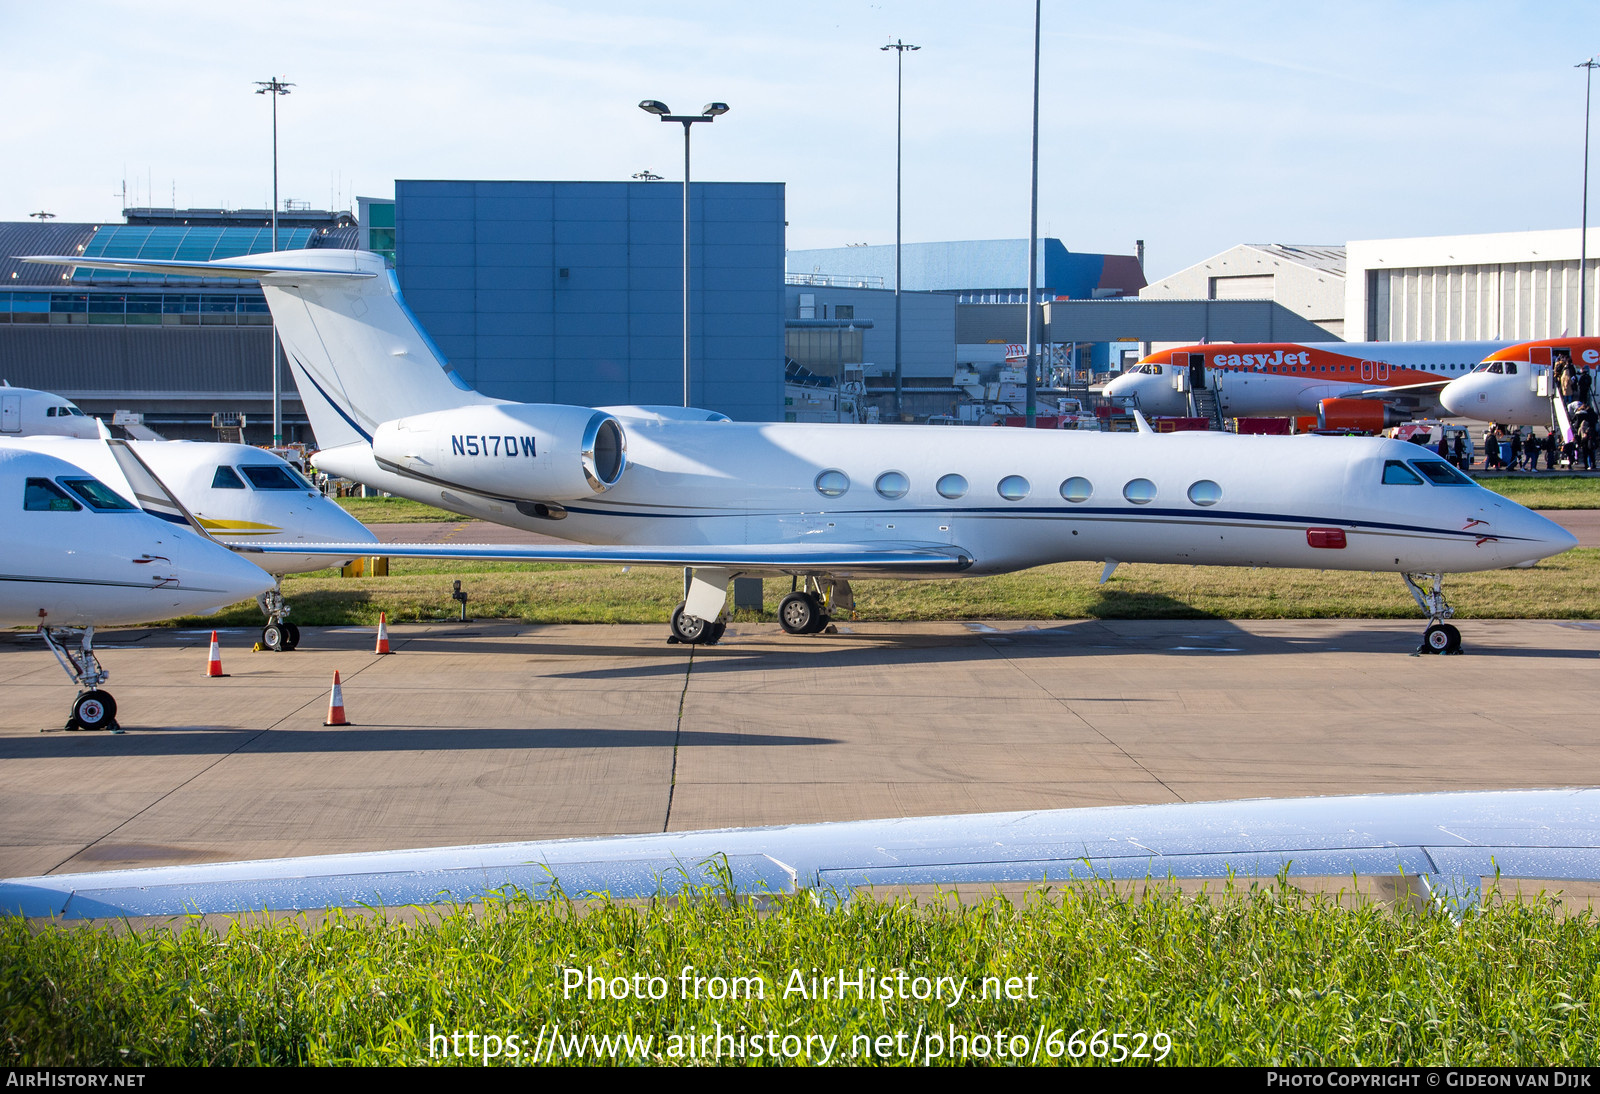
(22, 238)
(78, 361)
(1326, 258)
(339, 239)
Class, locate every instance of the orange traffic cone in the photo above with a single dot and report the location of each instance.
(336, 704)
(214, 662)
(383, 633)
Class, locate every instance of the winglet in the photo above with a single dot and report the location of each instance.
(1138, 420)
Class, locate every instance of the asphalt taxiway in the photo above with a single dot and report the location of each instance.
(495, 731)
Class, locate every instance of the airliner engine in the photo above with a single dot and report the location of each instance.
(1361, 415)
(522, 451)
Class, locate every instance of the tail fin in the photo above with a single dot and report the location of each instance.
(357, 354)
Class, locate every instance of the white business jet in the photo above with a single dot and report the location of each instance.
(232, 492)
(77, 555)
(829, 503)
(26, 412)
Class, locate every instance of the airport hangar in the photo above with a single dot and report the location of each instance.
(571, 292)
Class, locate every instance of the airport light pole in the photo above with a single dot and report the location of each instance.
(1031, 418)
(900, 49)
(1583, 225)
(710, 112)
(277, 89)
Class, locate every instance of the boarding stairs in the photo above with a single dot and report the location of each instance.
(1205, 404)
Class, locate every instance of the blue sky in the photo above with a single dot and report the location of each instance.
(1194, 126)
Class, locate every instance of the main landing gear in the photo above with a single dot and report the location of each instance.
(93, 708)
(694, 631)
(1440, 637)
(279, 634)
(811, 609)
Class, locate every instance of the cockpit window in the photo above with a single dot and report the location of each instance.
(269, 476)
(1396, 473)
(1491, 366)
(1440, 473)
(44, 496)
(225, 479)
(99, 496)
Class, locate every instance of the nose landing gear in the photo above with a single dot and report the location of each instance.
(93, 708)
(1439, 637)
(279, 634)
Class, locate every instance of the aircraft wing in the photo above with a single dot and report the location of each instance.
(1449, 840)
(1432, 387)
(841, 559)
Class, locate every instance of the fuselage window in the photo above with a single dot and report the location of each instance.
(1396, 473)
(1077, 489)
(97, 494)
(1441, 474)
(267, 476)
(832, 483)
(1013, 488)
(1205, 492)
(951, 486)
(44, 496)
(1140, 491)
(892, 485)
(225, 479)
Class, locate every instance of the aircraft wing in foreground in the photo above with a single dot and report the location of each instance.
(1450, 840)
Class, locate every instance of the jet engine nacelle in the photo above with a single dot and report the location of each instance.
(521, 451)
(1360, 415)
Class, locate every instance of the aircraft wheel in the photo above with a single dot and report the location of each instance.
(1441, 638)
(689, 629)
(93, 710)
(272, 636)
(800, 613)
(291, 636)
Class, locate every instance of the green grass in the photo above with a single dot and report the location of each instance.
(1248, 976)
(395, 511)
(1564, 587)
(1547, 490)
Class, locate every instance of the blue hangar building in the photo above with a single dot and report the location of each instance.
(572, 292)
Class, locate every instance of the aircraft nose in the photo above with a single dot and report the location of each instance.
(1526, 537)
(1460, 397)
(215, 569)
(331, 524)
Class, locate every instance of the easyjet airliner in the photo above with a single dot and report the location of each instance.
(1348, 385)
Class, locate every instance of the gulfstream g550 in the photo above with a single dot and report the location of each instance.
(828, 503)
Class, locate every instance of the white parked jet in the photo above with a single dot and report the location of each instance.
(235, 493)
(77, 555)
(26, 412)
(828, 503)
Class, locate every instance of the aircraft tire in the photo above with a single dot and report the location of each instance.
(1441, 638)
(93, 710)
(291, 636)
(689, 629)
(799, 613)
(272, 637)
